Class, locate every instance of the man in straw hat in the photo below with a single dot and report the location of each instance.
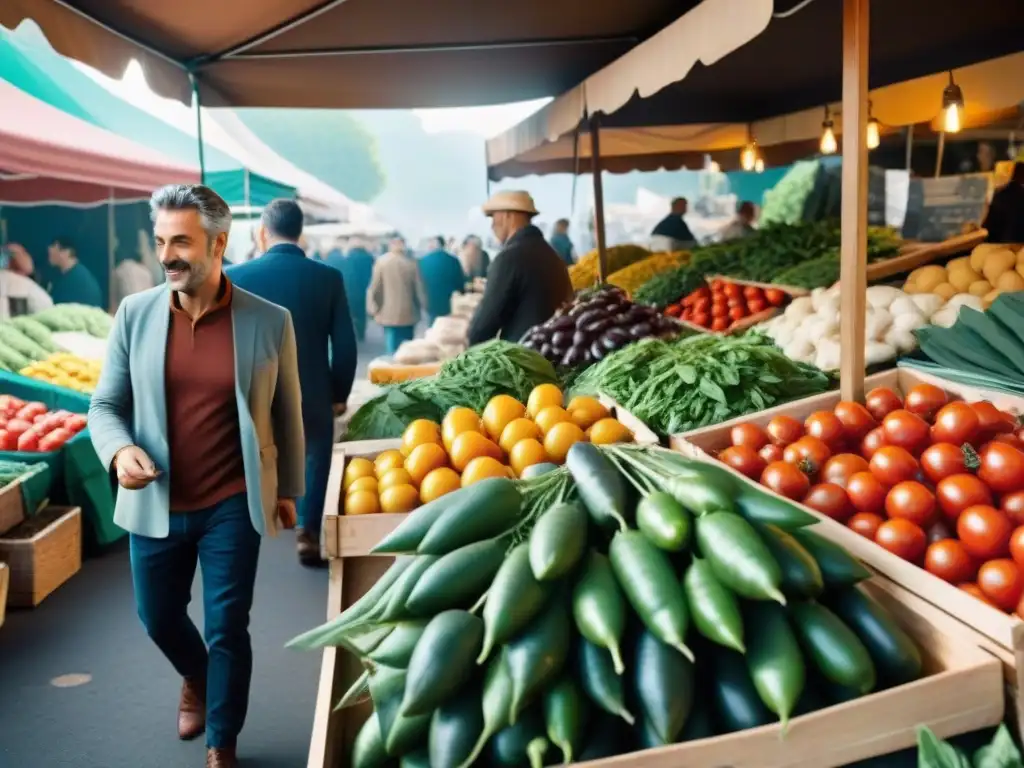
(527, 281)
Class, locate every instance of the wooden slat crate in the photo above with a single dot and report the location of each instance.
(5, 583)
(12, 506)
(44, 560)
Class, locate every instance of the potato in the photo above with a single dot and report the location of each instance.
(959, 262)
(928, 277)
(977, 257)
(1010, 281)
(988, 298)
(1020, 269)
(961, 276)
(1020, 257)
(998, 262)
(911, 288)
(945, 290)
(980, 287)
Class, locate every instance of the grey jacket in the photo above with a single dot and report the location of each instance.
(396, 295)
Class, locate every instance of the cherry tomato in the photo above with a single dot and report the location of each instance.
(955, 423)
(985, 532)
(775, 297)
(1017, 545)
(732, 290)
(975, 591)
(673, 310)
(752, 292)
(737, 313)
(892, 464)
(786, 480)
(925, 400)
(1002, 583)
(958, 492)
(808, 453)
(701, 318)
(772, 453)
(991, 421)
(830, 500)
(948, 560)
(865, 523)
(756, 305)
(720, 311)
(744, 460)
(911, 501)
(784, 430)
(872, 441)
(902, 538)
(856, 419)
(942, 460)
(882, 401)
(1012, 505)
(866, 493)
(907, 430)
(939, 530)
(720, 323)
(1005, 438)
(827, 427)
(841, 467)
(750, 435)
(1002, 467)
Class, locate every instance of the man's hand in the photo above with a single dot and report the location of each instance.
(286, 513)
(134, 468)
(339, 409)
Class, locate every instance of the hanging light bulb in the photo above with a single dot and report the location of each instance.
(952, 107)
(873, 136)
(829, 145)
(749, 156)
(759, 165)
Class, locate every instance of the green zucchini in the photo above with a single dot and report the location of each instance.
(354, 695)
(757, 506)
(566, 711)
(410, 532)
(714, 608)
(599, 484)
(838, 568)
(442, 660)
(492, 513)
(801, 576)
(497, 701)
(362, 644)
(599, 607)
(408, 732)
(664, 521)
(600, 682)
(737, 704)
(836, 651)
(418, 759)
(396, 649)
(510, 746)
(458, 579)
(738, 557)
(701, 488)
(514, 599)
(455, 727)
(536, 470)
(387, 685)
(647, 735)
(895, 655)
(774, 660)
(368, 748)
(536, 655)
(557, 541)
(398, 596)
(664, 684)
(650, 584)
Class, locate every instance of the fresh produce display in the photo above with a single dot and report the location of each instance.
(635, 275)
(808, 331)
(628, 600)
(724, 305)
(677, 386)
(33, 428)
(785, 202)
(14, 470)
(990, 270)
(584, 273)
(30, 339)
(64, 369)
(595, 325)
(1001, 752)
(938, 482)
(505, 440)
(445, 338)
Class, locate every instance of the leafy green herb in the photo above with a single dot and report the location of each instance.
(933, 752)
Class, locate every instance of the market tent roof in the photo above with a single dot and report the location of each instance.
(794, 65)
(349, 53)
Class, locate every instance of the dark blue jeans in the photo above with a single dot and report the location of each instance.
(226, 546)
(394, 335)
(318, 466)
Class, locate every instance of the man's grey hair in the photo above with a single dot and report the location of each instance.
(214, 212)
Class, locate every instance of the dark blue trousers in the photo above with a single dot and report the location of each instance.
(310, 507)
(226, 546)
(394, 335)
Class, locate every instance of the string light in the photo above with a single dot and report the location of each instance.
(952, 107)
(828, 145)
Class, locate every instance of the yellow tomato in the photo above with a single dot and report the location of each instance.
(517, 430)
(585, 401)
(419, 432)
(541, 397)
(356, 469)
(560, 438)
(387, 461)
(423, 459)
(608, 431)
(483, 467)
(363, 484)
(500, 410)
(394, 477)
(553, 414)
(399, 498)
(457, 421)
(362, 503)
(584, 416)
(525, 454)
(438, 482)
(472, 445)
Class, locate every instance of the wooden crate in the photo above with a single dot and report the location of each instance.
(44, 559)
(12, 506)
(1001, 634)
(5, 582)
(747, 322)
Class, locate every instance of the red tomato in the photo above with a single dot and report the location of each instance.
(939, 530)
(772, 453)
(827, 427)
(752, 292)
(911, 501)
(775, 297)
(756, 305)
(856, 419)
(985, 532)
(866, 493)
(1007, 439)
(830, 500)
(750, 435)
(925, 400)
(744, 460)
(703, 291)
(1002, 467)
(1017, 545)
(7, 441)
(75, 423)
(865, 523)
(687, 316)
(720, 324)
(732, 290)
(1012, 505)
(808, 453)
(720, 311)
(702, 319)
(975, 591)
(1002, 583)
(892, 464)
(902, 538)
(735, 302)
(906, 430)
(942, 460)
(28, 441)
(958, 492)
(786, 480)
(872, 441)
(784, 430)
(737, 313)
(991, 421)
(16, 427)
(673, 310)
(882, 401)
(955, 423)
(702, 305)
(948, 560)
(841, 467)
(54, 440)
(29, 411)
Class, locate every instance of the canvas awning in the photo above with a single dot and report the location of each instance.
(350, 53)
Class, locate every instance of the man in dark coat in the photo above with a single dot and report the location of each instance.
(561, 243)
(674, 227)
(356, 267)
(314, 293)
(527, 281)
(442, 276)
(1005, 218)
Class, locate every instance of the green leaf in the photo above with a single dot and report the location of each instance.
(1001, 752)
(710, 389)
(933, 752)
(687, 373)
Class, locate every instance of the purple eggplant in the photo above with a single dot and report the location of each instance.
(597, 350)
(615, 337)
(574, 357)
(547, 351)
(640, 330)
(581, 337)
(562, 339)
(591, 316)
(561, 324)
(597, 326)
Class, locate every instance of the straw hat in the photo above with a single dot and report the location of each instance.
(510, 200)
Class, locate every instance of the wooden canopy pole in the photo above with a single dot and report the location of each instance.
(853, 246)
(595, 167)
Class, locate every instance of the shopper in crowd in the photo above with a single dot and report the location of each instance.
(396, 295)
(561, 243)
(1005, 218)
(314, 293)
(672, 232)
(474, 259)
(442, 276)
(742, 225)
(20, 295)
(357, 268)
(198, 412)
(74, 283)
(528, 280)
(130, 277)
(20, 262)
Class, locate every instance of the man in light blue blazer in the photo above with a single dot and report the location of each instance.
(198, 411)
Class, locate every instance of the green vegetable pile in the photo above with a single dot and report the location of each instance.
(28, 339)
(629, 600)
(471, 379)
(13, 470)
(785, 203)
(1001, 752)
(674, 387)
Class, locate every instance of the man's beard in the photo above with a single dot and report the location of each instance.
(191, 276)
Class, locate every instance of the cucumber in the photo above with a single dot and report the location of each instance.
(737, 704)
(409, 732)
(566, 711)
(410, 532)
(458, 579)
(510, 746)
(801, 576)
(354, 695)
(558, 541)
(368, 748)
(514, 599)
(442, 660)
(387, 685)
(647, 735)
(398, 595)
(362, 644)
(418, 759)
(497, 701)
(664, 521)
(836, 651)
(774, 660)
(702, 490)
(738, 557)
(455, 727)
(664, 685)
(838, 568)
(757, 506)
(895, 655)
(536, 470)
(490, 513)
(599, 484)
(714, 608)
(600, 682)
(396, 649)
(536, 656)
(599, 607)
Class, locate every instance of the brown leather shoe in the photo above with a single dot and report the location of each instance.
(192, 709)
(307, 548)
(221, 757)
